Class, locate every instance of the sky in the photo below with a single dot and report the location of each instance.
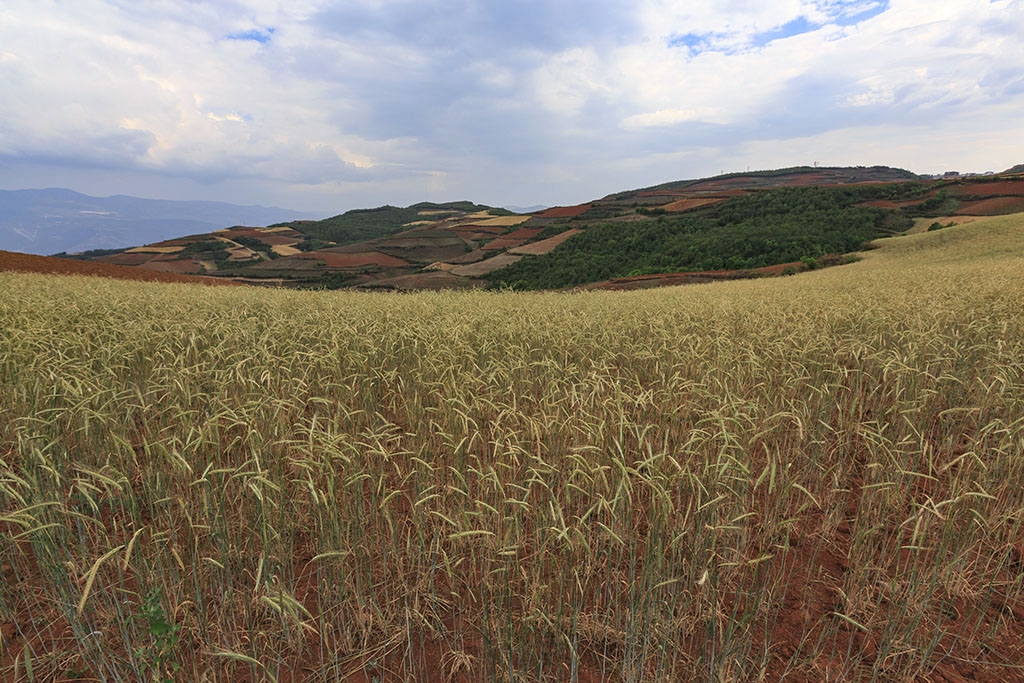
(327, 105)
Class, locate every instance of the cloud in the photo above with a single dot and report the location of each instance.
(336, 105)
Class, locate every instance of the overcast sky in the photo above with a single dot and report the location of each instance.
(327, 105)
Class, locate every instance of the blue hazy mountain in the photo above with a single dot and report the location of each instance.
(55, 220)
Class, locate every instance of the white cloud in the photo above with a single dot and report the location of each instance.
(378, 100)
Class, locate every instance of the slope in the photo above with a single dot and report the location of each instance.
(801, 479)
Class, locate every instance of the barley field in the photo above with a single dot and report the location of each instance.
(809, 478)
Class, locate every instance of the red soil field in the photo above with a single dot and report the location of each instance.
(187, 266)
(356, 259)
(1007, 187)
(563, 211)
(29, 263)
(996, 206)
(126, 259)
(524, 234)
(687, 204)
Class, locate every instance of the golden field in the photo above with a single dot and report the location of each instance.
(804, 478)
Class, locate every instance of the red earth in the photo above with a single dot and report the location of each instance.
(30, 263)
(997, 206)
(563, 211)
(1005, 187)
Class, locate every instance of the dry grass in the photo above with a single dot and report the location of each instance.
(815, 477)
(285, 250)
(500, 221)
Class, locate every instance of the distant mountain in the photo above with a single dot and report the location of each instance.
(1019, 168)
(527, 209)
(55, 220)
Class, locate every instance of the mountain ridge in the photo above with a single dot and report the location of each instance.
(51, 220)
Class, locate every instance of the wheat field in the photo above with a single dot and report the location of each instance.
(814, 477)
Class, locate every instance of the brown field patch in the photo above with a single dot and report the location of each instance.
(688, 204)
(499, 221)
(30, 263)
(125, 259)
(503, 243)
(473, 236)
(357, 259)
(469, 257)
(524, 233)
(563, 211)
(184, 267)
(487, 266)
(997, 206)
(999, 187)
(543, 246)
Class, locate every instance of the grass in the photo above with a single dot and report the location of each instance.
(815, 477)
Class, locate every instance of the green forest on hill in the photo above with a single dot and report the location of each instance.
(759, 229)
(359, 225)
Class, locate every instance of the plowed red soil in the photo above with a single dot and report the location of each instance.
(1006, 187)
(563, 211)
(997, 206)
(127, 259)
(29, 263)
(185, 267)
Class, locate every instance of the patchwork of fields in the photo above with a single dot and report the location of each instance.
(811, 478)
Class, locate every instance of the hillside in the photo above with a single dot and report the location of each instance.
(805, 478)
(739, 223)
(1019, 168)
(56, 220)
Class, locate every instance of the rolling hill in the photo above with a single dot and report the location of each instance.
(802, 479)
(734, 225)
